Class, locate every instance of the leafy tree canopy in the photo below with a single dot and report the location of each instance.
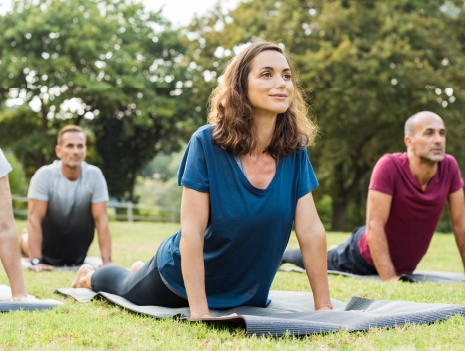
(109, 66)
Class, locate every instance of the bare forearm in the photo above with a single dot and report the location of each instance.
(104, 240)
(193, 272)
(314, 255)
(380, 253)
(34, 228)
(11, 260)
(459, 233)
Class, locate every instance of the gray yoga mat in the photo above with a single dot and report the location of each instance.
(418, 276)
(294, 312)
(7, 306)
(95, 262)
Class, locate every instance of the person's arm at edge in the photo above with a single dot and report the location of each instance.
(36, 213)
(9, 247)
(195, 209)
(312, 240)
(457, 220)
(378, 209)
(99, 213)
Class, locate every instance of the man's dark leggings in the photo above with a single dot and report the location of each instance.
(344, 258)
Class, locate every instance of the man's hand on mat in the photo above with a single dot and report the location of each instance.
(42, 267)
(208, 315)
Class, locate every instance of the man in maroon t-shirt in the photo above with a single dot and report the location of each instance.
(406, 196)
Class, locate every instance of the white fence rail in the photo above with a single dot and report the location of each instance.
(123, 211)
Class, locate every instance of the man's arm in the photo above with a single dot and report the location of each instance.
(312, 240)
(457, 220)
(99, 212)
(378, 208)
(9, 248)
(36, 213)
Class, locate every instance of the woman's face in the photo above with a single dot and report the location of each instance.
(270, 85)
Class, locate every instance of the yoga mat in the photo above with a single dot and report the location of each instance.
(6, 306)
(418, 276)
(95, 262)
(294, 312)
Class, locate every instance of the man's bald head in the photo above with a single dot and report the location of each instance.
(425, 137)
(416, 119)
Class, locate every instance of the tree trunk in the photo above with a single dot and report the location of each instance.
(132, 186)
(363, 198)
(339, 200)
(78, 120)
(344, 192)
(39, 159)
(339, 209)
(44, 116)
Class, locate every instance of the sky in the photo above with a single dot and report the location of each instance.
(179, 12)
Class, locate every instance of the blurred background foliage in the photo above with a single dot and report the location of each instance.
(108, 66)
(17, 177)
(140, 87)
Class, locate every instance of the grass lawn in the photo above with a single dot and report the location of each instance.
(99, 326)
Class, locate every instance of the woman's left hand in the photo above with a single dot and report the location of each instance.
(22, 298)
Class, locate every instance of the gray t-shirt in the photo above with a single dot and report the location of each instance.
(5, 166)
(68, 226)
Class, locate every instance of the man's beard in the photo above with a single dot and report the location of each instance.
(72, 166)
(428, 158)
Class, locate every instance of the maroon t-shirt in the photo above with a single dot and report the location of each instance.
(414, 213)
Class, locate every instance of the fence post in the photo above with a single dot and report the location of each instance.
(130, 216)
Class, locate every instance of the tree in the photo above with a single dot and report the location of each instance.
(107, 65)
(367, 66)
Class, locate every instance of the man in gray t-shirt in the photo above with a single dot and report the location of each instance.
(67, 200)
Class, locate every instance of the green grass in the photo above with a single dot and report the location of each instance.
(99, 325)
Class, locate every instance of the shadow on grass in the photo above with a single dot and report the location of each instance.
(238, 329)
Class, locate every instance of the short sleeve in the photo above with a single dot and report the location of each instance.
(456, 181)
(193, 172)
(382, 178)
(100, 188)
(5, 166)
(40, 184)
(308, 180)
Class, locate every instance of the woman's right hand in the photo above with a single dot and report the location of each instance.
(208, 315)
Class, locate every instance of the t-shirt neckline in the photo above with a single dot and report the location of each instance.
(60, 172)
(247, 182)
(415, 181)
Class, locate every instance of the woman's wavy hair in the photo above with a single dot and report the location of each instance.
(232, 113)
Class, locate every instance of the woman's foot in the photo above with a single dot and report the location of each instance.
(83, 277)
(136, 266)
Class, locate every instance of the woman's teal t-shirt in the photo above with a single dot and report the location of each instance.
(248, 228)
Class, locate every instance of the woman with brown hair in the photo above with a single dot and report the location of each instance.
(246, 178)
